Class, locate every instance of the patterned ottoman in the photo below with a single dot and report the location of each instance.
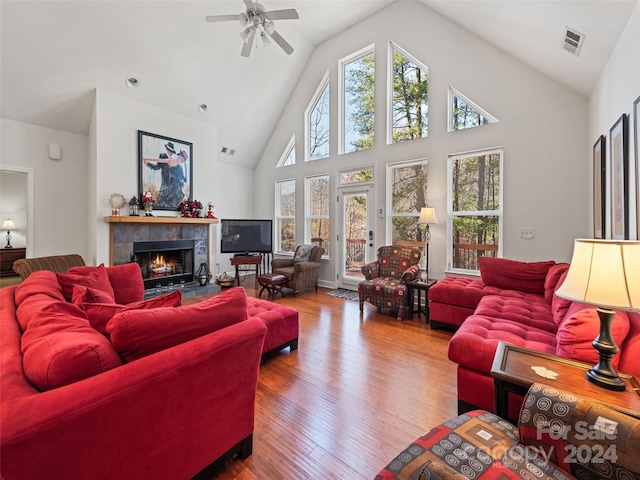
(560, 436)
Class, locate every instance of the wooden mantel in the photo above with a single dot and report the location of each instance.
(159, 220)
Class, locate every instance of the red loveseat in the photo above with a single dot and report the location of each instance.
(515, 303)
(97, 389)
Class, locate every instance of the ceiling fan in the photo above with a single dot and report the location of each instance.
(256, 21)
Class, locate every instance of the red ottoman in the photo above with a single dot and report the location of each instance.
(281, 322)
(273, 283)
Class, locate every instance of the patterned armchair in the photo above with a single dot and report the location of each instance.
(384, 285)
(302, 270)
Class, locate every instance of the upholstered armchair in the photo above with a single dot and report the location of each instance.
(384, 284)
(302, 270)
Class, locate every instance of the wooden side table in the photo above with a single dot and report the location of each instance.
(513, 373)
(250, 260)
(7, 257)
(421, 287)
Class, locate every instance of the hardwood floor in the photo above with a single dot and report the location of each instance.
(357, 391)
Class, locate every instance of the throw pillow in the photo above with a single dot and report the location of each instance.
(580, 327)
(59, 347)
(82, 294)
(551, 280)
(559, 306)
(99, 314)
(127, 283)
(138, 333)
(93, 277)
(303, 253)
(508, 274)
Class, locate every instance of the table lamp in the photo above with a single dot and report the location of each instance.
(8, 225)
(605, 273)
(427, 216)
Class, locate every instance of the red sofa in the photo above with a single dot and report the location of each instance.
(97, 389)
(515, 303)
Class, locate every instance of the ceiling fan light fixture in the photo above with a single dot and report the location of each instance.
(245, 34)
(244, 20)
(269, 27)
(266, 41)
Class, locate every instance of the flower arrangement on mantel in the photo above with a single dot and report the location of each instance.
(191, 209)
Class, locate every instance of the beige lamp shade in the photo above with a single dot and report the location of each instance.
(605, 273)
(8, 224)
(428, 216)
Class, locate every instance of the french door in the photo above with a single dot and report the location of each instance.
(355, 237)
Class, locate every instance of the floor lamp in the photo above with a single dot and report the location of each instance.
(427, 216)
(604, 273)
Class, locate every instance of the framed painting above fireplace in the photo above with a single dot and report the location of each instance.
(165, 170)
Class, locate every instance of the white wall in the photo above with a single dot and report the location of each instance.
(71, 194)
(542, 127)
(617, 88)
(61, 194)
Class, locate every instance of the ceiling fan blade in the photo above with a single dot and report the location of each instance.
(221, 18)
(288, 14)
(248, 45)
(249, 4)
(282, 42)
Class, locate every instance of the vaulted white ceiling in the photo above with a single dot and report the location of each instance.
(55, 53)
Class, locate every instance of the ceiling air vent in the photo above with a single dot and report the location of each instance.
(228, 151)
(572, 41)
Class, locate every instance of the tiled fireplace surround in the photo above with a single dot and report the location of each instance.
(124, 231)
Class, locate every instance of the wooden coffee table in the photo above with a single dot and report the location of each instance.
(512, 373)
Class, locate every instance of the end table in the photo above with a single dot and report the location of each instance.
(421, 287)
(512, 372)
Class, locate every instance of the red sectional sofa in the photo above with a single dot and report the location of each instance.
(515, 303)
(92, 388)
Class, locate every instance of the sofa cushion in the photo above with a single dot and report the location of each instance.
(42, 282)
(82, 294)
(514, 275)
(580, 327)
(137, 333)
(474, 344)
(99, 314)
(125, 280)
(524, 308)
(460, 291)
(59, 346)
(551, 281)
(93, 277)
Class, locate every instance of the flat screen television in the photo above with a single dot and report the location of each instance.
(246, 236)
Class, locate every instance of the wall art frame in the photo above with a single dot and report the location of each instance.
(636, 141)
(619, 162)
(600, 187)
(165, 170)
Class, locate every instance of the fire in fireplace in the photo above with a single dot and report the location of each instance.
(163, 262)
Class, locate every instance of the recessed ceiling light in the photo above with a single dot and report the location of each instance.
(202, 107)
(132, 82)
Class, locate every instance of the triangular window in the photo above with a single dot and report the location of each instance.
(289, 155)
(463, 113)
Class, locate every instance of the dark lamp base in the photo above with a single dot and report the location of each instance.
(610, 383)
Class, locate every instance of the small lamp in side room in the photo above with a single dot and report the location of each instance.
(605, 273)
(8, 225)
(427, 217)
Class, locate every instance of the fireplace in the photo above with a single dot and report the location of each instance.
(164, 262)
